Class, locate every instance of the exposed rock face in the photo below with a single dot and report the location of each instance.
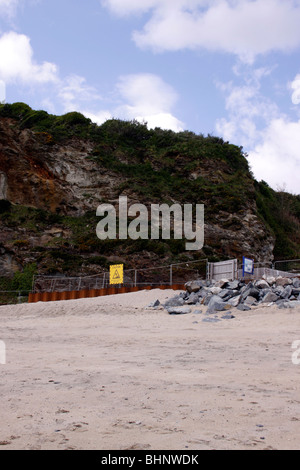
(48, 176)
(62, 178)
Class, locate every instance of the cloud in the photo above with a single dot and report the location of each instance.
(73, 91)
(146, 97)
(276, 159)
(271, 139)
(295, 86)
(97, 117)
(8, 8)
(248, 109)
(2, 91)
(245, 28)
(17, 63)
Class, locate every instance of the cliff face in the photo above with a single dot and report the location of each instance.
(63, 180)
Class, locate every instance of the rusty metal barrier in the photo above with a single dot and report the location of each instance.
(84, 294)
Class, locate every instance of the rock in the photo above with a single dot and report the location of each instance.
(270, 280)
(250, 301)
(251, 292)
(207, 299)
(281, 302)
(287, 292)
(178, 310)
(230, 294)
(270, 297)
(286, 304)
(211, 320)
(197, 312)
(234, 302)
(243, 308)
(283, 281)
(154, 304)
(229, 316)
(176, 301)
(296, 283)
(217, 305)
(222, 283)
(193, 299)
(262, 284)
(203, 292)
(254, 292)
(193, 286)
(224, 293)
(215, 290)
(233, 285)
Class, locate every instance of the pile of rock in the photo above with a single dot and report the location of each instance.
(220, 296)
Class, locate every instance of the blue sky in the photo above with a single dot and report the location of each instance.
(225, 67)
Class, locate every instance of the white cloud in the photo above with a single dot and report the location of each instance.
(295, 86)
(73, 91)
(2, 91)
(248, 110)
(17, 63)
(8, 8)
(97, 117)
(146, 97)
(246, 28)
(271, 139)
(276, 159)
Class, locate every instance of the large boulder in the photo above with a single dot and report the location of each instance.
(176, 301)
(217, 305)
(283, 281)
(270, 297)
(194, 286)
(262, 284)
(178, 310)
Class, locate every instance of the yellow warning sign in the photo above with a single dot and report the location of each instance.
(116, 274)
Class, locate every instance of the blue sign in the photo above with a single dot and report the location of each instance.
(248, 266)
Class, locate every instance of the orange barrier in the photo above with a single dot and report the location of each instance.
(84, 294)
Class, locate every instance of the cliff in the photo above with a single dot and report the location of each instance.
(55, 171)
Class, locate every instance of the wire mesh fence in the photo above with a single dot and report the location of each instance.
(289, 266)
(178, 273)
(13, 297)
(174, 274)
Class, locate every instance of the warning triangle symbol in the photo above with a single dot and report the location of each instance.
(116, 275)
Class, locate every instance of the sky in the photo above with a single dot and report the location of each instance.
(229, 68)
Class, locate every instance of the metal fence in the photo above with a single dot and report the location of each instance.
(178, 273)
(173, 274)
(290, 266)
(13, 297)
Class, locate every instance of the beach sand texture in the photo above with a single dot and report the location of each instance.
(109, 374)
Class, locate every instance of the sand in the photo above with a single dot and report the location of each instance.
(110, 374)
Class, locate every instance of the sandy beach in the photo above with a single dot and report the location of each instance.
(110, 374)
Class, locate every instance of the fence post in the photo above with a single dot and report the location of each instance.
(171, 274)
(135, 278)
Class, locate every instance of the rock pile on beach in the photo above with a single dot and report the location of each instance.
(224, 295)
